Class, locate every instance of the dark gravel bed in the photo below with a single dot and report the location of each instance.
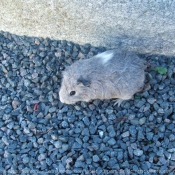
(40, 135)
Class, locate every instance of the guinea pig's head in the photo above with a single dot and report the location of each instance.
(74, 88)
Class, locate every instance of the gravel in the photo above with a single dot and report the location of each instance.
(41, 135)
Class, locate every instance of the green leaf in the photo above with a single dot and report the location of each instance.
(149, 142)
(161, 70)
(137, 97)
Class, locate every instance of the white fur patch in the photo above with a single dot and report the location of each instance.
(105, 57)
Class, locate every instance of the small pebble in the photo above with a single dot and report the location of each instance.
(125, 134)
(91, 107)
(58, 144)
(151, 100)
(142, 120)
(111, 142)
(96, 158)
(138, 152)
(15, 104)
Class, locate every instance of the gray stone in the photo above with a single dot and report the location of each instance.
(23, 72)
(34, 75)
(130, 151)
(9, 159)
(111, 141)
(16, 112)
(171, 150)
(11, 82)
(92, 128)
(96, 102)
(109, 110)
(27, 82)
(15, 104)
(77, 107)
(125, 134)
(142, 120)
(65, 147)
(120, 155)
(149, 135)
(172, 137)
(26, 130)
(10, 125)
(54, 136)
(167, 154)
(85, 132)
(160, 152)
(160, 111)
(173, 156)
(151, 100)
(58, 144)
(25, 160)
(61, 168)
(86, 121)
(52, 109)
(151, 118)
(64, 124)
(91, 107)
(5, 140)
(133, 145)
(37, 61)
(158, 144)
(156, 106)
(111, 131)
(96, 158)
(105, 158)
(49, 161)
(76, 146)
(41, 157)
(79, 164)
(29, 109)
(101, 134)
(125, 166)
(134, 122)
(131, 116)
(163, 161)
(42, 54)
(132, 130)
(50, 66)
(140, 135)
(112, 162)
(162, 128)
(40, 140)
(138, 152)
(139, 103)
(159, 120)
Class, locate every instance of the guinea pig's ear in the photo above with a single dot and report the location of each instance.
(84, 81)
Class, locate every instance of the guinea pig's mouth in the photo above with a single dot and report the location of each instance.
(66, 102)
(61, 100)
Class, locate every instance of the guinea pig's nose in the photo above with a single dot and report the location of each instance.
(60, 98)
(62, 101)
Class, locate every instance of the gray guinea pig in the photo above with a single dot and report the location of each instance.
(108, 75)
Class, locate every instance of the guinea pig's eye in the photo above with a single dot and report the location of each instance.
(72, 93)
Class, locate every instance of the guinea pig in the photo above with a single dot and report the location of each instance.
(108, 75)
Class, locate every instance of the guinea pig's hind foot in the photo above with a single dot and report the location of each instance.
(146, 87)
(118, 102)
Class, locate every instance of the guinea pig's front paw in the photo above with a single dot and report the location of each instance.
(118, 102)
